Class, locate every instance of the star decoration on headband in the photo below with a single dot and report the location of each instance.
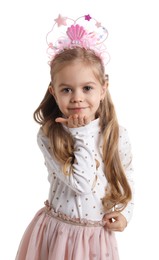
(88, 17)
(60, 20)
(98, 24)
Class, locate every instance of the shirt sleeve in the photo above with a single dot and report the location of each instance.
(83, 176)
(126, 160)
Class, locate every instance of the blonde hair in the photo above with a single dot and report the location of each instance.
(118, 191)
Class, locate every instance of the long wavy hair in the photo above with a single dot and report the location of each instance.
(118, 191)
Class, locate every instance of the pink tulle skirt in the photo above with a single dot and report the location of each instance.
(52, 237)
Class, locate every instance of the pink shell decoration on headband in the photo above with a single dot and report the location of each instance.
(76, 32)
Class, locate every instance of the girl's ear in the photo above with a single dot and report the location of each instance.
(104, 90)
(104, 87)
(51, 90)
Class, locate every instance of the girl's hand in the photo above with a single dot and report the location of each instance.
(73, 121)
(115, 221)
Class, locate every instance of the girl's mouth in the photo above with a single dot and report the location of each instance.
(77, 109)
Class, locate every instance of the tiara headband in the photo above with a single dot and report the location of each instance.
(85, 32)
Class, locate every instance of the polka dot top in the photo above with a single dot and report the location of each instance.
(80, 194)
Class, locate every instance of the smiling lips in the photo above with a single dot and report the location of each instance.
(77, 108)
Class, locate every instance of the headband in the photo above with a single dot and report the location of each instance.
(85, 32)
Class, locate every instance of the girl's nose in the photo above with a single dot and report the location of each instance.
(77, 98)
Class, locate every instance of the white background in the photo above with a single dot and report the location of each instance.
(134, 81)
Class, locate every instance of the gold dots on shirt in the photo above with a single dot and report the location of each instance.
(86, 198)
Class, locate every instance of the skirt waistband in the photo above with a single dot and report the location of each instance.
(74, 221)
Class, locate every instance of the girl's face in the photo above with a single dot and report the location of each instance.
(77, 90)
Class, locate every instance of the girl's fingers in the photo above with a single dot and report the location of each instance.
(113, 225)
(115, 221)
(113, 214)
(73, 121)
(81, 120)
(61, 120)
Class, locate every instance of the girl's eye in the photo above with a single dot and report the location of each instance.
(87, 88)
(66, 90)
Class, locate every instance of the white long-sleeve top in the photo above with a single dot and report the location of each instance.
(80, 194)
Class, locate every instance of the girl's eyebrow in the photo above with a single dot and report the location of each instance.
(64, 85)
(82, 84)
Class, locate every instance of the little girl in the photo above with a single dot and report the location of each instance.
(87, 155)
